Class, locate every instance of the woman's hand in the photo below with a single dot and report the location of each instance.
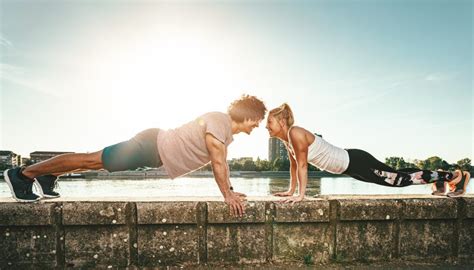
(241, 195)
(293, 200)
(284, 194)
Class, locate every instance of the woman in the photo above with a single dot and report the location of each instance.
(304, 147)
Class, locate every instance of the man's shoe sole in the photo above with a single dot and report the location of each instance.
(7, 179)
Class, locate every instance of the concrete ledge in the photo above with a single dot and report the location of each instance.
(194, 231)
(19, 214)
(218, 212)
(305, 211)
(88, 213)
(369, 209)
(436, 208)
(166, 212)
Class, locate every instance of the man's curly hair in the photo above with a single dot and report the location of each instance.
(247, 107)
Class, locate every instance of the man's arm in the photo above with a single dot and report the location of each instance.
(218, 155)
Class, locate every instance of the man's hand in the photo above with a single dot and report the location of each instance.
(284, 194)
(293, 200)
(236, 207)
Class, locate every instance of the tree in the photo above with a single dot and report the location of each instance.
(249, 165)
(435, 163)
(277, 164)
(464, 164)
(395, 162)
(235, 166)
(262, 165)
(399, 163)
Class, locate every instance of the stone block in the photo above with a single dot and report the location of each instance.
(436, 208)
(24, 214)
(305, 211)
(239, 243)
(427, 239)
(94, 213)
(160, 245)
(218, 212)
(369, 209)
(466, 239)
(25, 246)
(469, 203)
(303, 242)
(96, 246)
(166, 212)
(365, 241)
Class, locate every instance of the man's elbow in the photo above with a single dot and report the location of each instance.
(218, 165)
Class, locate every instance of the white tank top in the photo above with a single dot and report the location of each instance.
(324, 155)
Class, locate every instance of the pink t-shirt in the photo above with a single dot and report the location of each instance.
(183, 150)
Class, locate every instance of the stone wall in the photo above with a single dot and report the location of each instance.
(116, 234)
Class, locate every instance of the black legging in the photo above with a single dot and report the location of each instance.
(363, 166)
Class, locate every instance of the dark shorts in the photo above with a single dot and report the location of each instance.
(139, 151)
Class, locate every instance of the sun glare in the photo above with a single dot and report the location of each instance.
(165, 80)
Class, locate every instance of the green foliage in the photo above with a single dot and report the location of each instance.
(432, 163)
(249, 165)
(308, 259)
(465, 164)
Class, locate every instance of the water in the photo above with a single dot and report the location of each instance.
(185, 186)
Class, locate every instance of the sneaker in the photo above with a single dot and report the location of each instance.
(461, 186)
(46, 184)
(21, 189)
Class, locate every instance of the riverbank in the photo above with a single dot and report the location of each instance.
(159, 174)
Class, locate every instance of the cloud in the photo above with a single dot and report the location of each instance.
(18, 76)
(438, 77)
(4, 42)
(362, 93)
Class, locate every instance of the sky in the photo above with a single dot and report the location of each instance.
(391, 77)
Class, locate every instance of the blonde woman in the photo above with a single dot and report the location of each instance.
(304, 147)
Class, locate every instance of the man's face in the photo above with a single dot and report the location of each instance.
(249, 125)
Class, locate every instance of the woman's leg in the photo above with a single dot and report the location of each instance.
(366, 166)
(363, 166)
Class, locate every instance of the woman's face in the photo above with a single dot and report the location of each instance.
(273, 126)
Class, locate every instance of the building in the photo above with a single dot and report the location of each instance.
(39, 156)
(276, 149)
(8, 159)
(24, 161)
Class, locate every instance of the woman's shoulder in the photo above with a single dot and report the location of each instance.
(299, 134)
(296, 130)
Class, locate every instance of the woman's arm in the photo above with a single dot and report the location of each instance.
(300, 145)
(293, 178)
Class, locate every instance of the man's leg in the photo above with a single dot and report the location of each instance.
(65, 163)
(20, 180)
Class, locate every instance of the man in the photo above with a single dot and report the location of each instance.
(180, 151)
